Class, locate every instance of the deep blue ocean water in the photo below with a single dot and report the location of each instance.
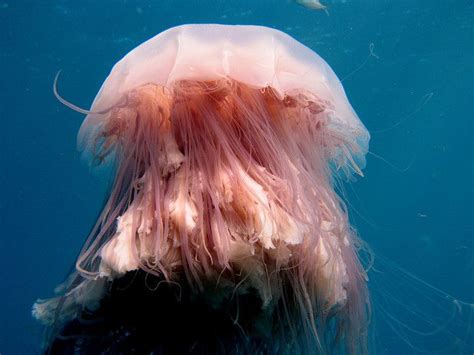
(415, 205)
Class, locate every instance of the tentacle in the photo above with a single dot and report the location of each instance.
(70, 104)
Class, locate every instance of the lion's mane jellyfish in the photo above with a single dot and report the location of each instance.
(226, 143)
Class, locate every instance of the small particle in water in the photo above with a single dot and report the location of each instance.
(422, 215)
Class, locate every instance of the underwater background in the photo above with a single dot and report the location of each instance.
(408, 69)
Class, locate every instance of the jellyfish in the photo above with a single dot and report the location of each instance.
(226, 143)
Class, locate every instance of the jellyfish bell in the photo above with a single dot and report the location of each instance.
(226, 141)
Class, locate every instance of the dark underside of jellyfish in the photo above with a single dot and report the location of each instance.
(140, 315)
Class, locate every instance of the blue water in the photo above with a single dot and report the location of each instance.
(414, 206)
